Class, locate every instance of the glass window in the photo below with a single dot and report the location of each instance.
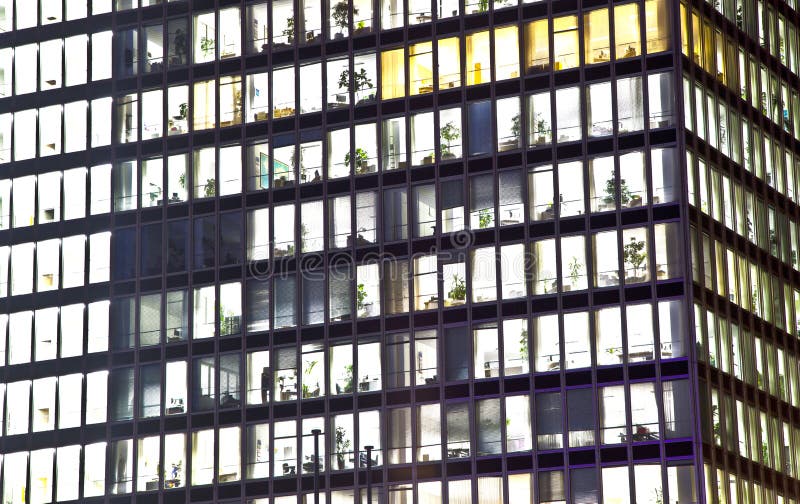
(477, 58)
(596, 37)
(626, 30)
(393, 76)
(566, 53)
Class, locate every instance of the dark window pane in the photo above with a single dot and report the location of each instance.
(204, 235)
(151, 250)
(177, 243)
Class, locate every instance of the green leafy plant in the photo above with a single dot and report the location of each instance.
(183, 110)
(485, 218)
(634, 255)
(210, 189)
(207, 46)
(288, 32)
(182, 180)
(483, 5)
(360, 158)
(448, 134)
(342, 446)
(610, 190)
(516, 127)
(348, 378)
(523, 344)
(356, 81)
(340, 15)
(307, 377)
(575, 269)
(459, 289)
(361, 295)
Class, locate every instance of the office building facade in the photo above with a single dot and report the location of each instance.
(534, 251)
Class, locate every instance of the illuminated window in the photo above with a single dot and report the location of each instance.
(506, 53)
(596, 39)
(477, 59)
(565, 42)
(393, 74)
(420, 68)
(626, 31)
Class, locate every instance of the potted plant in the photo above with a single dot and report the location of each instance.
(516, 129)
(306, 378)
(342, 446)
(210, 188)
(523, 345)
(207, 46)
(484, 218)
(634, 255)
(458, 291)
(361, 296)
(183, 111)
(429, 158)
(541, 129)
(448, 134)
(360, 158)
(348, 379)
(610, 190)
(360, 26)
(355, 81)
(340, 17)
(575, 269)
(288, 32)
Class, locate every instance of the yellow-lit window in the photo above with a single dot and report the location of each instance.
(393, 74)
(656, 25)
(205, 96)
(720, 57)
(478, 64)
(537, 47)
(708, 48)
(627, 40)
(596, 38)
(565, 42)
(420, 68)
(684, 32)
(449, 63)
(230, 100)
(506, 53)
(696, 44)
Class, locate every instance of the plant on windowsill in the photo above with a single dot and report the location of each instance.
(183, 111)
(635, 257)
(484, 218)
(516, 129)
(210, 189)
(182, 180)
(288, 32)
(523, 345)
(356, 81)
(307, 392)
(448, 134)
(458, 291)
(360, 159)
(610, 190)
(340, 17)
(360, 26)
(154, 193)
(342, 446)
(575, 269)
(541, 129)
(361, 296)
(207, 46)
(348, 379)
